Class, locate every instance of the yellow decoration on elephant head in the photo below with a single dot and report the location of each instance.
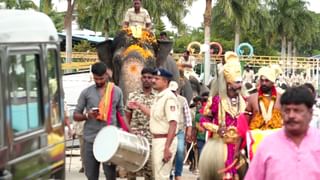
(145, 53)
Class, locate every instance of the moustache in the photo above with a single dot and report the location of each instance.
(236, 90)
(265, 89)
(291, 121)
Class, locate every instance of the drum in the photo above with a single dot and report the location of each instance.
(121, 148)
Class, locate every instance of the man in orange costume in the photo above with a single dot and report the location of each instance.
(263, 107)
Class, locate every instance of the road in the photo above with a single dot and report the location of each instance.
(73, 174)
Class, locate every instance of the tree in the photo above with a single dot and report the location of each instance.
(68, 28)
(107, 15)
(238, 12)
(207, 35)
(20, 4)
(285, 15)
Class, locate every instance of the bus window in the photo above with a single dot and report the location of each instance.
(24, 89)
(53, 86)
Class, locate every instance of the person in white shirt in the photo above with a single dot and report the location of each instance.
(137, 16)
(315, 121)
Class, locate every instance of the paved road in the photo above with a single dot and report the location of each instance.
(73, 174)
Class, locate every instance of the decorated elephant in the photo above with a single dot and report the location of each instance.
(128, 53)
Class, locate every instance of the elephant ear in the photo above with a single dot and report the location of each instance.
(164, 48)
(186, 89)
(105, 52)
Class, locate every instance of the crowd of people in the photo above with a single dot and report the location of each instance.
(183, 132)
(210, 132)
(283, 80)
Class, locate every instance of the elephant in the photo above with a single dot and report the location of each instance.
(126, 56)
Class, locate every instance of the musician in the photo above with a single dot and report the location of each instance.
(223, 110)
(96, 101)
(164, 116)
(139, 122)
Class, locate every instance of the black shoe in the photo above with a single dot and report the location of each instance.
(81, 170)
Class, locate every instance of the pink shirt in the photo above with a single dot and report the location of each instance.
(278, 158)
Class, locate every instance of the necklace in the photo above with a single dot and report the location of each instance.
(234, 101)
(267, 115)
(234, 106)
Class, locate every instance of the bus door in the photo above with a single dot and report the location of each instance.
(24, 109)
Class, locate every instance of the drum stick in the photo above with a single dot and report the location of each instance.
(188, 152)
(71, 153)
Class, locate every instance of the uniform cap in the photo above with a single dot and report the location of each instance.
(162, 72)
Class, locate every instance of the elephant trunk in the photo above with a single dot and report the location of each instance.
(164, 48)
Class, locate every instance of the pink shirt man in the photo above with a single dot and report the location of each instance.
(278, 158)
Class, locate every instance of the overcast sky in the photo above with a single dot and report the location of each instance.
(195, 16)
(193, 19)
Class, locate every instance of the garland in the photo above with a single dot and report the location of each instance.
(267, 114)
(145, 53)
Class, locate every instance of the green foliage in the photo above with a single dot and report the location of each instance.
(107, 15)
(20, 4)
(159, 26)
(83, 46)
(58, 20)
(267, 22)
(181, 42)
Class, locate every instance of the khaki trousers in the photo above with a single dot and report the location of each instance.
(162, 171)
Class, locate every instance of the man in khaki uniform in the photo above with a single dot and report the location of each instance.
(164, 116)
(137, 16)
(139, 122)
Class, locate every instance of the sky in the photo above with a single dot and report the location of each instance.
(195, 16)
(193, 19)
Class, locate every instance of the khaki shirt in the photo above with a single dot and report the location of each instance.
(163, 110)
(137, 19)
(139, 120)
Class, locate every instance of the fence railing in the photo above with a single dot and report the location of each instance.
(82, 61)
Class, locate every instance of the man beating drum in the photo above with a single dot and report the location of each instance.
(163, 124)
(98, 101)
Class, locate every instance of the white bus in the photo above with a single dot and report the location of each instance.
(31, 103)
